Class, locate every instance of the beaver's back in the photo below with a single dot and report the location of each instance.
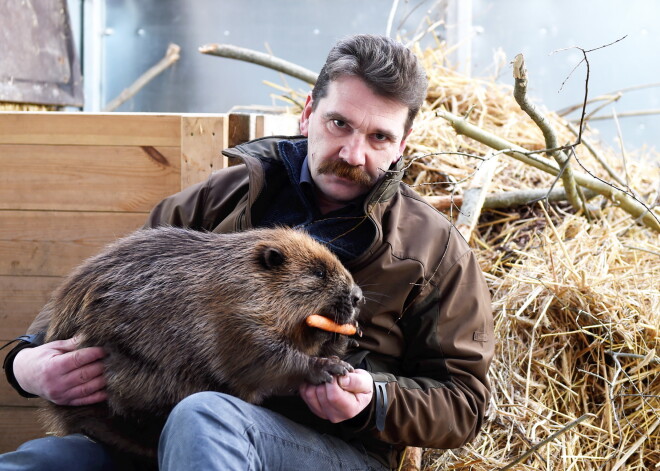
(181, 311)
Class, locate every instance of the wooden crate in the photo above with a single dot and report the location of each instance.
(72, 182)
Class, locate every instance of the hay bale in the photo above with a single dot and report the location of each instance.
(576, 304)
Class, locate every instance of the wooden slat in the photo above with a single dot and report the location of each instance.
(87, 178)
(52, 243)
(21, 299)
(474, 197)
(123, 129)
(18, 425)
(276, 125)
(241, 128)
(9, 397)
(202, 140)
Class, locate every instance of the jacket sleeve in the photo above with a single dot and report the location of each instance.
(204, 205)
(439, 395)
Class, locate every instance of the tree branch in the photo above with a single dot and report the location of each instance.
(507, 199)
(619, 197)
(171, 56)
(260, 58)
(520, 94)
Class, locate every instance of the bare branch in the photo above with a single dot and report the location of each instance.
(507, 199)
(520, 94)
(559, 432)
(260, 58)
(621, 198)
(597, 156)
(171, 56)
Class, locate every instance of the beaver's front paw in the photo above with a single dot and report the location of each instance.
(323, 369)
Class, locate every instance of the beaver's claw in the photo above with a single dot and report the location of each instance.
(323, 369)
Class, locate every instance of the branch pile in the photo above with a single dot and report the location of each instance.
(576, 376)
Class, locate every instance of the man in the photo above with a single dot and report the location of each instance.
(422, 362)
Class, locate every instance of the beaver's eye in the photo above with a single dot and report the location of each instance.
(319, 272)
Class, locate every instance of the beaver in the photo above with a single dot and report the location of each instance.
(181, 311)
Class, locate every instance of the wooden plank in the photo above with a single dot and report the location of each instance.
(276, 125)
(241, 128)
(9, 397)
(202, 141)
(109, 129)
(474, 197)
(18, 425)
(87, 178)
(52, 243)
(21, 299)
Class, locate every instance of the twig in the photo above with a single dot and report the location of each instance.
(171, 56)
(520, 94)
(597, 156)
(636, 356)
(627, 202)
(627, 114)
(390, 18)
(549, 439)
(260, 58)
(586, 81)
(633, 448)
(606, 96)
(623, 150)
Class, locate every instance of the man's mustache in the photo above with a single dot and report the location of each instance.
(347, 171)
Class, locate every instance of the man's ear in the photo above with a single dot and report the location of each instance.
(402, 145)
(304, 116)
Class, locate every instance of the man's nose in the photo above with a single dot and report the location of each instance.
(354, 150)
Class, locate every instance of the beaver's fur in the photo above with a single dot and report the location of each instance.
(181, 311)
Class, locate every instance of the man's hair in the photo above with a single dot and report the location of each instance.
(387, 67)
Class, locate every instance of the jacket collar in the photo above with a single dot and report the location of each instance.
(266, 148)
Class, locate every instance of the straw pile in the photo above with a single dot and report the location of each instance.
(8, 106)
(576, 303)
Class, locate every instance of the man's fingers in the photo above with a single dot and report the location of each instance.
(68, 345)
(98, 396)
(357, 382)
(84, 374)
(84, 356)
(88, 392)
(78, 384)
(309, 394)
(63, 363)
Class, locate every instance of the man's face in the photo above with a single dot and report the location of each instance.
(354, 136)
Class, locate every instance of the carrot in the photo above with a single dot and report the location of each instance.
(323, 323)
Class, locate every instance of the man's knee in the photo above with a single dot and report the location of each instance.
(203, 408)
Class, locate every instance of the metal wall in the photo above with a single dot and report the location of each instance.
(546, 32)
(123, 38)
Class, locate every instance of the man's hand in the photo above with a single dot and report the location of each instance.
(342, 399)
(60, 373)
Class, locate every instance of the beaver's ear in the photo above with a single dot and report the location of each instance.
(271, 258)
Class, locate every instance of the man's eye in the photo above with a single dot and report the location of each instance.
(380, 137)
(339, 123)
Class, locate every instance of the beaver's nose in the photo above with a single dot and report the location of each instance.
(356, 296)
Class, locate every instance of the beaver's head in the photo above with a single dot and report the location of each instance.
(302, 277)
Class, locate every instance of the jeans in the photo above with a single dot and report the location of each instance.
(70, 453)
(208, 431)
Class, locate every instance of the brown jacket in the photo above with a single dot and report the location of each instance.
(427, 324)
